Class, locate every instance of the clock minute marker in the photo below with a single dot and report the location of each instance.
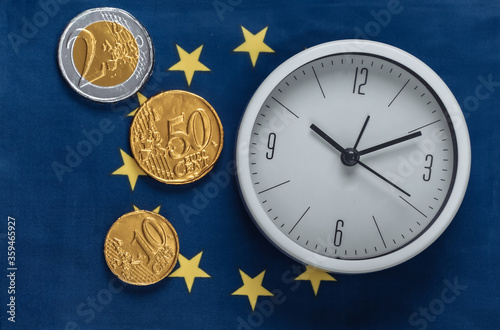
(416, 129)
(285, 107)
(319, 84)
(298, 221)
(378, 229)
(399, 92)
(280, 184)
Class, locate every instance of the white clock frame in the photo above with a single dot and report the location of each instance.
(391, 259)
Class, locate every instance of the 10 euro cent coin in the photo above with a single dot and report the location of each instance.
(176, 137)
(141, 248)
(105, 54)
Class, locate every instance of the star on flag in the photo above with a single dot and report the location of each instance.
(252, 288)
(130, 169)
(315, 276)
(142, 99)
(189, 63)
(254, 44)
(156, 210)
(189, 269)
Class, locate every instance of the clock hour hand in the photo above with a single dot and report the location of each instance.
(390, 143)
(327, 138)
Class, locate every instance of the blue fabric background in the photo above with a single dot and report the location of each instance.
(60, 226)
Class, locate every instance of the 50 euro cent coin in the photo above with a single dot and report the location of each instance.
(141, 248)
(176, 137)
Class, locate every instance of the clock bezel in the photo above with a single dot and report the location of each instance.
(433, 230)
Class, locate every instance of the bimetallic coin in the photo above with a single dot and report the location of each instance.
(141, 248)
(105, 54)
(176, 137)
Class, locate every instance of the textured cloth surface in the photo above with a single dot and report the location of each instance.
(62, 280)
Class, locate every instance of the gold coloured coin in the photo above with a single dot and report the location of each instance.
(176, 137)
(105, 53)
(141, 248)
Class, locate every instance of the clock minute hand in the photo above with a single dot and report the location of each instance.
(327, 138)
(390, 143)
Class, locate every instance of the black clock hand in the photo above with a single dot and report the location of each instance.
(351, 154)
(361, 133)
(327, 138)
(390, 143)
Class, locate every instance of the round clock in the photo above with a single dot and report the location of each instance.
(353, 156)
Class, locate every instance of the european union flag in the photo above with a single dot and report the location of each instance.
(67, 173)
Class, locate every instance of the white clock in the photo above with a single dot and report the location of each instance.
(353, 156)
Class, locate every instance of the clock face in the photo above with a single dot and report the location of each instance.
(351, 156)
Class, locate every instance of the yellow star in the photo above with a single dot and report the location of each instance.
(315, 276)
(252, 287)
(129, 168)
(142, 99)
(189, 269)
(254, 44)
(156, 210)
(189, 63)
